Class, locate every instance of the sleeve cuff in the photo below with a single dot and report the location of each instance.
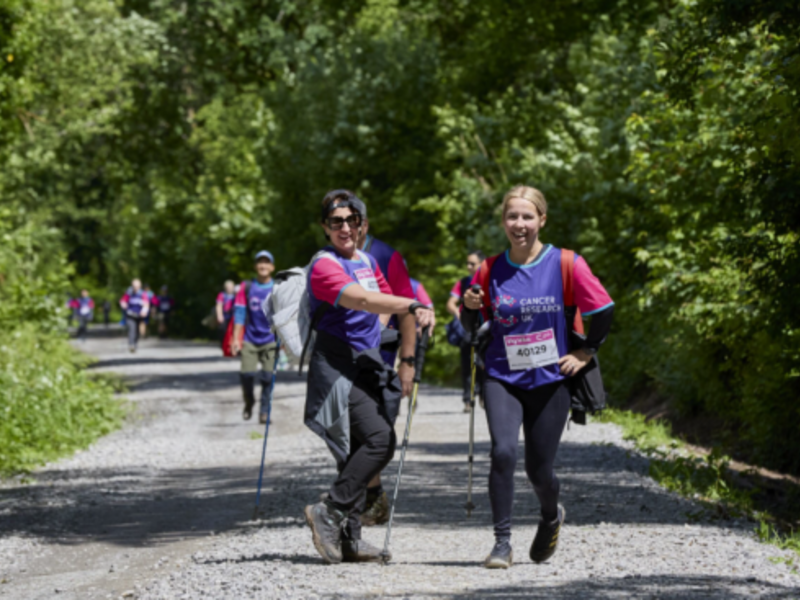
(597, 310)
(341, 291)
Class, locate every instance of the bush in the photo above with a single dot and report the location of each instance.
(49, 404)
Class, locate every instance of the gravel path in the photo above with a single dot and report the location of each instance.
(162, 509)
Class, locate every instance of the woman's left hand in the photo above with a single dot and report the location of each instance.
(573, 362)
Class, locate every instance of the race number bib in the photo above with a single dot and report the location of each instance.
(531, 350)
(165, 305)
(367, 280)
(85, 310)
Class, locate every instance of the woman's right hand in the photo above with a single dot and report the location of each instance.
(472, 300)
(424, 317)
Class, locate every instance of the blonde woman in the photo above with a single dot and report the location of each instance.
(528, 362)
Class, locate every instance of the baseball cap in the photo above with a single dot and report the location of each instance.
(265, 254)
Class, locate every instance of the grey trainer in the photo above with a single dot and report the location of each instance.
(326, 525)
(501, 556)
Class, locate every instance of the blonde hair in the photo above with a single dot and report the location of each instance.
(526, 192)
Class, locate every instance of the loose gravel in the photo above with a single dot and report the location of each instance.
(164, 508)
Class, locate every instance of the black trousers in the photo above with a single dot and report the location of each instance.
(83, 325)
(372, 445)
(133, 330)
(466, 374)
(542, 413)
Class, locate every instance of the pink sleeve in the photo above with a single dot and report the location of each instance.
(329, 280)
(91, 303)
(154, 301)
(456, 291)
(221, 298)
(398, 277)
(590, 295)
(422, 296)
(382, 283)
(241, 300)
(125, 298)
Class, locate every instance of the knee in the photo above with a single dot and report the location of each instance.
(504, 457)
(383, 441)
(541, 477)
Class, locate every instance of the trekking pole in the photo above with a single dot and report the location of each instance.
(472, 343)
(266, 427)
(412, 402)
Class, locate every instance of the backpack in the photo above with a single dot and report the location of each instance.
(288, 308)
(587, 393)
(228, 337)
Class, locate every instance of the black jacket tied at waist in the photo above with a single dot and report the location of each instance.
(332, 371)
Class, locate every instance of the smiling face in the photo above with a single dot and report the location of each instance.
(522, 223)
(344, 240)
(136, 285)
(264, 268)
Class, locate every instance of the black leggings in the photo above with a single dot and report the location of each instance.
(542, 412)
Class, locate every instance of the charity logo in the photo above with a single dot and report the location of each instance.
(504, 300)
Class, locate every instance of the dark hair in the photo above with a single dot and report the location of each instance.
(339, 199)
(477, 253)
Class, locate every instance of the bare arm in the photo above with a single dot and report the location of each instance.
(356, 297)
(236, 346)
(220, 313)
(452, 306)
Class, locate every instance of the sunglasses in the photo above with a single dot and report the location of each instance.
(336, 223)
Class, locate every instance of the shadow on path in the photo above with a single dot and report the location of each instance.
(138, 507)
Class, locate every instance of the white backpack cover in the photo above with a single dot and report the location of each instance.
(288, 308)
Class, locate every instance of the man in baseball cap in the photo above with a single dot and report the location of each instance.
(252, 335)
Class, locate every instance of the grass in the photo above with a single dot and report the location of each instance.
(50, 405)
(705, 479)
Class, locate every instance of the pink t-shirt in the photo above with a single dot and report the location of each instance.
(456, 291)
(590, 295)
(329, 280)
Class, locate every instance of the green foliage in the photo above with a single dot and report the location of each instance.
(648, 435)
(171, 141)
(705, 479)
(50, 406)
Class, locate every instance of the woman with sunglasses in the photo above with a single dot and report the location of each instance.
(454, 303)
(528, 362)
(353, 397)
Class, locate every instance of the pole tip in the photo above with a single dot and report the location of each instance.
(385, 558)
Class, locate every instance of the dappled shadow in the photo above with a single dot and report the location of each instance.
(297, 559)
(663, 587)
(139, 507)
(148, 360)
(201, 381)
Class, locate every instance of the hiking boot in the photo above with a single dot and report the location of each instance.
(361, 551)
(546, 540)
(262, 418)
(247, 413)
(377, 510)
(467, 407)
(501, 556)
(326, 530)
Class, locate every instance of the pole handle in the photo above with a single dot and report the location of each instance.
(422, 348)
